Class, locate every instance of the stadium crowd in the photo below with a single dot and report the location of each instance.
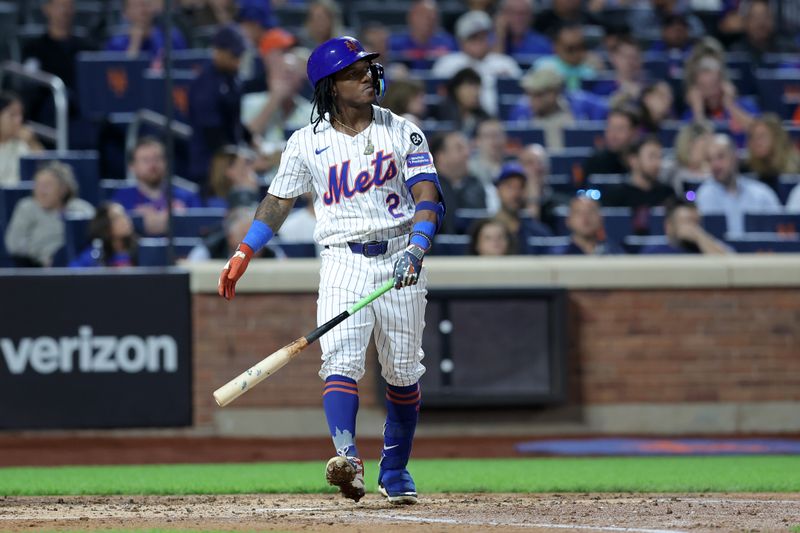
(581, 127)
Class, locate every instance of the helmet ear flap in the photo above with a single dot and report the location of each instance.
(378, 79)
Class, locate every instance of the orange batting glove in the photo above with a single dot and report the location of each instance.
(234, 269)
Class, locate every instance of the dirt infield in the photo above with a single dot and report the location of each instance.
(441, 512)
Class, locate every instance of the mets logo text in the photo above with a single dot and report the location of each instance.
(338, 178)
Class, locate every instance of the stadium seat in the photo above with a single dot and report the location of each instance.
(570, 161)
(153, 251)
(586, 134)
(784, 224)
(773, 86)
(561, 183)
(450, 245)
(110, 82)
(465, 218)
(509, 87)
(155, 85)
(190, 60)
(76, 235)
(602, 182)
(716, 225)
(523, 134)
(633, 244)
(546, 245)
(618, 222)
(765, 243)
(197, 222)
(85, 165)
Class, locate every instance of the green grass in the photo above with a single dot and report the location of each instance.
(651, 474)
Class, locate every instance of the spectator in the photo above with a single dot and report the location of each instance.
(587, 236)
(113, 242)
(324, 22)
(541, 198)
(460, 190)
(770, 151)
(759, 33)
(489, 237)
(643, 188)
(656, 106)
(16, 139)
(253, 20)
(301, 223)
(648, 17)
(36, 229)
(201, 13)
(629, 76)
(472, 31)
(562, 12)
(729, 193)
(147, 197)
(406, 98)
(376, 36)
(425, 40)
(214, 103)
(619, 134)
(53, 52)
(462, 104)
(233, 179)
(685, 234)
(267, 115)
(512, 30)
(676, 38)
(140, 34)
(490, 141)
(513, 213)
(710, 94)
(572, 59)
(548, 106)
(691, 155)
(222, 244)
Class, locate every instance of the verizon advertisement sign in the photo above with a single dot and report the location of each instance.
(95, 350)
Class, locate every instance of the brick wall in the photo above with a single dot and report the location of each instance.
(625, 346)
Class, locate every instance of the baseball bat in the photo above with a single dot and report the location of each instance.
(275, 361)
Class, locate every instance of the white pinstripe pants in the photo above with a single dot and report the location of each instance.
(397, 317)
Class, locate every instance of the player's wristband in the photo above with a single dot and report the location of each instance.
(258, 235)
(422, 234)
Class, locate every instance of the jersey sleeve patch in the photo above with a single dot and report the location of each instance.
(418, 159)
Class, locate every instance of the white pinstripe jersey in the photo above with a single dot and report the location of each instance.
(357, 197)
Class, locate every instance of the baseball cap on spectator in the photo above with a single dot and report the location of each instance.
(510, 170)
(228, 38)
(275, 39)
(542, 79)
(255, 12)
(471, 23)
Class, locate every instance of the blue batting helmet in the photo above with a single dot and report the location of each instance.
(335, 55)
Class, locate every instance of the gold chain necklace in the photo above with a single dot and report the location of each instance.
(368, 149)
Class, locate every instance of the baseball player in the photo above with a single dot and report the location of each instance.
(378, 205)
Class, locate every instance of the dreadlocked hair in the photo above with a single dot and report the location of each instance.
(323, 102)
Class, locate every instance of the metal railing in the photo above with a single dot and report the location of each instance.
(157, 120)
(59, 91)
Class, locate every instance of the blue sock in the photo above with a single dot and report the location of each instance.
(340, 401)
(402, 406)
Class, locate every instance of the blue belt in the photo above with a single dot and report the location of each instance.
(369, 248)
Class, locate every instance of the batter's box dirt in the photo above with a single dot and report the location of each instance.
(438, 512)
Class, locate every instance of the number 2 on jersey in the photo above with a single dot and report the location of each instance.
(393, 201)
